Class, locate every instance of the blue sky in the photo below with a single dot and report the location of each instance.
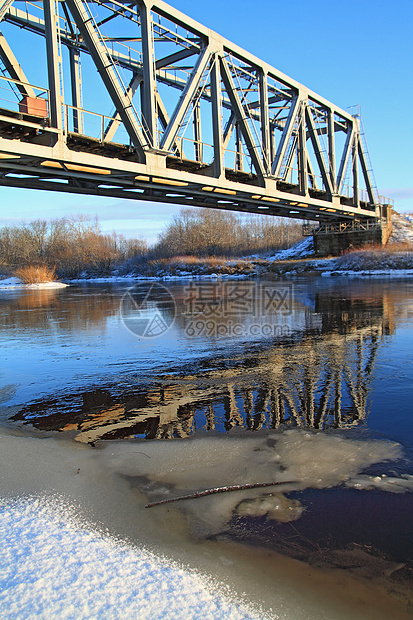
(353, 52)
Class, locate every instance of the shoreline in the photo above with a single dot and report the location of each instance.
(395, 260)
(294, 270)
(92, 482)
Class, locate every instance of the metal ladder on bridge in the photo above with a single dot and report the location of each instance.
(355, 113)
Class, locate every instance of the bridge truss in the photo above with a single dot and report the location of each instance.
(137, 100)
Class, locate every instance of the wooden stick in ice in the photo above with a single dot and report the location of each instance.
(235, 487)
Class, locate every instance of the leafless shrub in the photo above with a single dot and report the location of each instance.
(36, 274)
(201, 239)
(210, 232)
(72, 245)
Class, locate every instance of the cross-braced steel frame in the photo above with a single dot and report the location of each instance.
(175, 113)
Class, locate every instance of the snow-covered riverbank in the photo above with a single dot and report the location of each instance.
(16, 283)
(56, 567)
(77, 541)
(394, 261)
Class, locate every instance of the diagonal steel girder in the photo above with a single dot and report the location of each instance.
(185, 100)
(14, 69)
(4, 7)
(351, 137)
(239, 111)
(295, 110)
(317, 149)
(106, 68)
(173, 58)
(115, 121)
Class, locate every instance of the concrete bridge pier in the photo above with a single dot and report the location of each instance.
(335, 238)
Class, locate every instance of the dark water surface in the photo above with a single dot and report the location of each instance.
(330, 356)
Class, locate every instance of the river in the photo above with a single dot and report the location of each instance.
(115, 396)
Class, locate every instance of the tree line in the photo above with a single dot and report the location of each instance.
(210, 232)
(70, 245)
(74, 245)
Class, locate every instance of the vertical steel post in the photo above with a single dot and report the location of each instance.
(216, 117)
(197, 132)
(355, 153)
(302, 152)
(265, 119)
(345, 156)
(76, 84)
(272, 144)
(53, 63)
(149, 82)
(239, 157)
(331, 150)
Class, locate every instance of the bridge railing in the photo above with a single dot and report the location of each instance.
(186, 148)
(340, 227)
(23, 97)
(347, 192)
(93, 125)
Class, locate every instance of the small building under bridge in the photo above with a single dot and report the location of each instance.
(334, 238)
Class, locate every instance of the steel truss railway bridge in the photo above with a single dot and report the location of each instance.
(136, 100)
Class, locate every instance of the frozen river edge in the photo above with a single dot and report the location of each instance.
(85, 499)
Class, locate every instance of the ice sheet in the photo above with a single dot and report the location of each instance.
(107, 485)
(296, 458)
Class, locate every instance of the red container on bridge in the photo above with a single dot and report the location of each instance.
(35, 106)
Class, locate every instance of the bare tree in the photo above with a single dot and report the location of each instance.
(70, 245)
(208, 232)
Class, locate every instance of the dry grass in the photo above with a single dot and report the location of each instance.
(373, 257)
(36, 274)
(390, 248)
(194, 265)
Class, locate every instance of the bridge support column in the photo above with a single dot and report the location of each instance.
(53, 64)
(334, 239)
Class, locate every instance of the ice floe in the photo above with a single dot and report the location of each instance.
(16, 283)
(295, 458)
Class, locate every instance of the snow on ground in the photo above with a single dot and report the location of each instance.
(354, 264)
(53, 567)
(402, 228)
(46, 285)
(302, 249)
(106, 279)
(16, 283)
(375, 263)
(374, 273)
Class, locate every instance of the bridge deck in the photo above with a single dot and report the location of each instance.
(89, 159)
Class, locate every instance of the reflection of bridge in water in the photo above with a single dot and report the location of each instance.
(175, 113)
(318, 377)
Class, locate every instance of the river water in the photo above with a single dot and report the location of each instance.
(116, 396)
